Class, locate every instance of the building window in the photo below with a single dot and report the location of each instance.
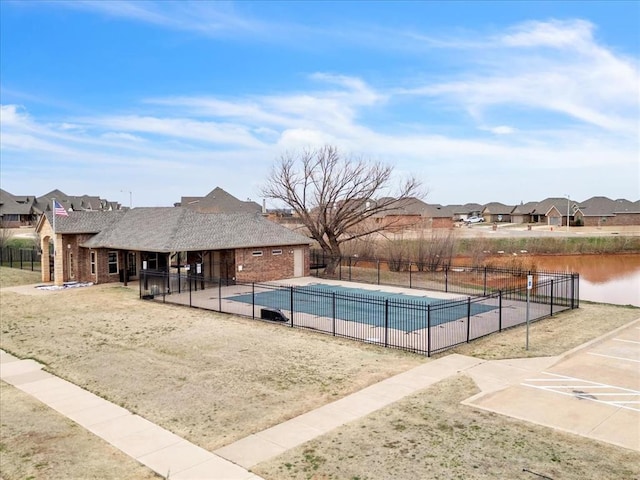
(113, 262)
(93, 263)
(276, 252)
(257, 253)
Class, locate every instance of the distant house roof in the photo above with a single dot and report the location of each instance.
(74, 203)
(407, 206)
(467, 208)
(524, 208)
(172, 229)
(605, 207)
(15, 205)
(497, 208)
(438, 211)
(219, 201)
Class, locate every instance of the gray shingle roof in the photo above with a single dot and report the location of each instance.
(14, 205)
(85, 222)
(219, 201)
(497, 208)
(172, 229)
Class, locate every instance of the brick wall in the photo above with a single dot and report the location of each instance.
(269, 265)
(619, 219)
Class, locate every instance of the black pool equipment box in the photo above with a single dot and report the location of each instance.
(273, 314)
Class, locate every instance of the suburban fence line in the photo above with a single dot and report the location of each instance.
(22, 258)
(409, 323)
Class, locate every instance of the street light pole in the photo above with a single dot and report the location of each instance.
(130, 197)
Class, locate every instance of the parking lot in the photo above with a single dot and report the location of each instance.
(593, 391)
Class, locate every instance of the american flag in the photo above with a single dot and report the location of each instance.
(59, 210)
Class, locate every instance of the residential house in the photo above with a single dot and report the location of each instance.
(113, 246)
(496, 212)
(16, 211)
(601, 211)
(551, 211)
(462, 212)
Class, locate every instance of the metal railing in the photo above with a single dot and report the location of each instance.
(459, 279)
(425, 326)
(22, 258)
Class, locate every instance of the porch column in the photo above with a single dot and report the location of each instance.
(58, 260)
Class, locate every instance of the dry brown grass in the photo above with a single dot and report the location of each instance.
(39, 443)
(214, 379)
(553, 335)
(10, 277)
(431, 435)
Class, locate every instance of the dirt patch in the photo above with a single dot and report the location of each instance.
(430, 435)
(37, 442)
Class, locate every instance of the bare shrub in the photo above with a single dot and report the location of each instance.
(435, 252)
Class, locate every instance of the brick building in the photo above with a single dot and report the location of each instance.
(115, 246)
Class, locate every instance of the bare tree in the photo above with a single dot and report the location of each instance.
(337, 198)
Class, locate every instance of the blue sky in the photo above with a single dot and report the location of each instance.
(482, 101)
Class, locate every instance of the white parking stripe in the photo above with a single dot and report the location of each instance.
(593, 391)
(627, 341)
(615, 358)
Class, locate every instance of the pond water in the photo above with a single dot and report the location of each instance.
(603, 278)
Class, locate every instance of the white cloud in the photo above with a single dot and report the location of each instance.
(571, 75)
(569, 34)
(202, 141)
(500, 130)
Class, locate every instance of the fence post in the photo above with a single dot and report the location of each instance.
(220, 294)
(468, 318)
(144, 273)
(446, 278)
(189, 280)
(20, 259)
(378, 267)
(333, 309)
(410, 280)
(551, 298)
(572, 290)
(340, 269)
(499, 310)
(428, 330)
(291, 289)
(485, 282)
(253, 300)
(10, 258)
(349, 267)
(32, 255)
(386, 322)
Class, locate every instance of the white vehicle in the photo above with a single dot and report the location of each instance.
(474, 220)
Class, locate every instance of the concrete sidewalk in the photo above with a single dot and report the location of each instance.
(490, 376)
(153, 446)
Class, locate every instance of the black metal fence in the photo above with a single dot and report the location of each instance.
(22, 258)
(410, 323)
(462, 279)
